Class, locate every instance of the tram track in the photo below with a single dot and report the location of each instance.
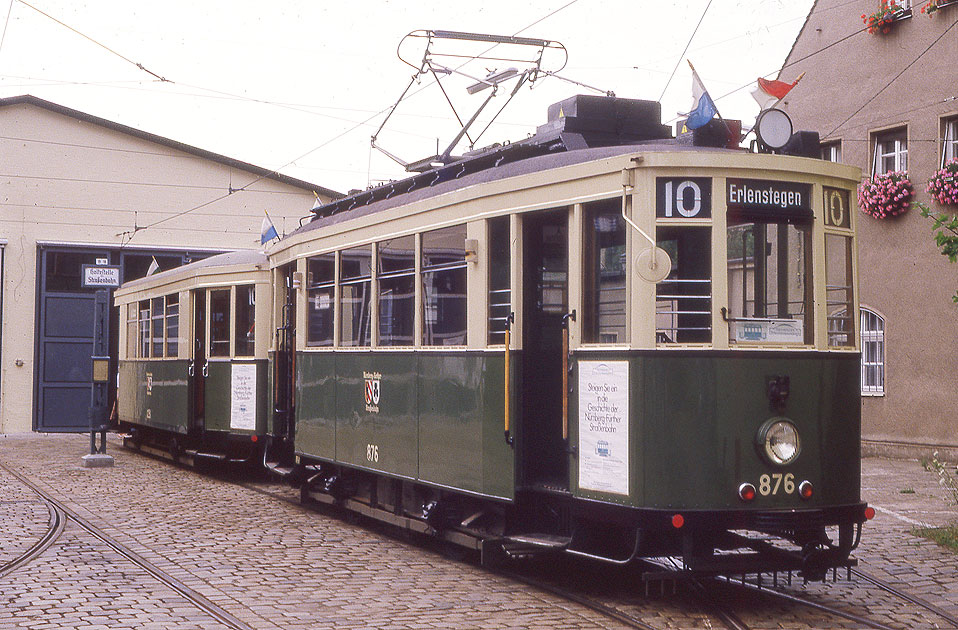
(61, 514)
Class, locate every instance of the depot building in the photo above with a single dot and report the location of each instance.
(86, 204)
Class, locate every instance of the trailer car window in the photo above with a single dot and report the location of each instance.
(143, 333)
(220, 323)
(172, 325)
(245, 321)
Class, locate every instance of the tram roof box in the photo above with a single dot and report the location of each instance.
(725, 134)
(606, 120)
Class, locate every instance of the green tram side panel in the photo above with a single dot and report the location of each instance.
(155, 394)
(378, 430)
(437, 417)
(462, 444)
(695, 416)
(316, 404)
(220, 394)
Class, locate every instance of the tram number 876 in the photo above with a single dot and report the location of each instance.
(372, 452)
(772, 484)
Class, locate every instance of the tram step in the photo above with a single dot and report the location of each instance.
(528, 545)
(219, 457)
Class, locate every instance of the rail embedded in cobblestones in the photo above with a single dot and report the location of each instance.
(59, 515)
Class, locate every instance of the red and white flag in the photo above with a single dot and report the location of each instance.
(768, 93)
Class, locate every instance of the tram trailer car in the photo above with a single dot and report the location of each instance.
(193, 368)
(600, 341)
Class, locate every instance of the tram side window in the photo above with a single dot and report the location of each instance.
(132, 310)
(683, 301)
(396, 274)
(839, 296)
(143, 334)
(157, 321)
(444, 286)
(220, 323)
(320, 299)
(355, 279)
(768, 281)
(500, 278)
(245, 331)
(172, 325)
(604, 317)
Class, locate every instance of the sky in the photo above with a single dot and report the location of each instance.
(300, 86)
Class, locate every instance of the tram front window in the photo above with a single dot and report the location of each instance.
(769, 294)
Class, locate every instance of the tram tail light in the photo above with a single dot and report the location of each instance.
(678, 521)
(805, 490)
(746, 492)
(869, 513)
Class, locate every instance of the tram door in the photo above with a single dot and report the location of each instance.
(284, 364)
(198, 368)
(545, 304)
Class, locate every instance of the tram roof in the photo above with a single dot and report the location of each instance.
(526, 166)
(245, 257)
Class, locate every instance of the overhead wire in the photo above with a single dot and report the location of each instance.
(684, 50)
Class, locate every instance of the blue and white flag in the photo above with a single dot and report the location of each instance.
(703, 107)
(267, 231)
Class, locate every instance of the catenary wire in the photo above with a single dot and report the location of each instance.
(685, 50)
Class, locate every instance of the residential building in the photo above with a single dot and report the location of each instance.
(888, 100)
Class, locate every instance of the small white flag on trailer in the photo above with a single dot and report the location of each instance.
(267, 231)
(154, 267)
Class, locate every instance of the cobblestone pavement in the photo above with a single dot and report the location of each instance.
(269, 564)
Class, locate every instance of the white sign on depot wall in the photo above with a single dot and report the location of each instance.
(604, 426)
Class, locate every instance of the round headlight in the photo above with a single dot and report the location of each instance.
(779, 441)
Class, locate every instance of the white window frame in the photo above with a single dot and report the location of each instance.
(949, 140)
(832, 151)
(891, 144)
(873, 335)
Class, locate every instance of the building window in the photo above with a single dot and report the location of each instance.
(949, 140)
(873, 353)
(891, 151)
(832, 151)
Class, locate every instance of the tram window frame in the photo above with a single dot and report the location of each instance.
(499, 271)
(760, 328)
(359, 323)
(321, 300)
(604, 318)
(443, 261)
(143, 329)
(839, 290)
(157, 326)
(396, 291)
(172, 325)
(219, 322)
(132, 321)
(244, 326)
(680, 317)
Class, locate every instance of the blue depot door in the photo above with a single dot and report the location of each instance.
(64, 340)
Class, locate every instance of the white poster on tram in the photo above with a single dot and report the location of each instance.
(604, 426)
(243, 397)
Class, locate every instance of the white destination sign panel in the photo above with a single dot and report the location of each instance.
(101, 276)
(243, 397)
(604, 426)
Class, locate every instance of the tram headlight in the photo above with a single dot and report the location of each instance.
(778, 441)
